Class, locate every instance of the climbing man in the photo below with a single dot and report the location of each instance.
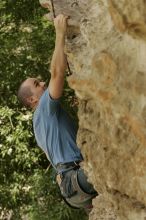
(54, 130)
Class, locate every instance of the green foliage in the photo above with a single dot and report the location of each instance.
(27, 184)
(25, 45)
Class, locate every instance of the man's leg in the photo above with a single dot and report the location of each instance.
(76, 190)
(86, 187)
(84, 184)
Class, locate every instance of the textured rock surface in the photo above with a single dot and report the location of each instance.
(106, 50)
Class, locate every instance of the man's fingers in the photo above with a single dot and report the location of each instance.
(67, 16)
(63, 16)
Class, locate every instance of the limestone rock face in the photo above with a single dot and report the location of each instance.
(106, 48)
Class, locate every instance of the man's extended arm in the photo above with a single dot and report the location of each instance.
(58, 63)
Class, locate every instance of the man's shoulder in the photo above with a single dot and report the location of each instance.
(47, 107)
(44, 98)
(39, 112)
(41, 103)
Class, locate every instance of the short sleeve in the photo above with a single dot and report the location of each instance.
(48, 104)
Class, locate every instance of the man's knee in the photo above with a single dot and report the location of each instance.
(83, 182)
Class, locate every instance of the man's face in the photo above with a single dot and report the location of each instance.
(37, 88)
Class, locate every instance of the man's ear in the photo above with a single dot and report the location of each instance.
(32, 100)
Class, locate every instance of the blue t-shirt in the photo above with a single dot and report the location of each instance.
(55, 131)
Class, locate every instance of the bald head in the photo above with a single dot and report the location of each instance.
(24, 93)
(30, 92)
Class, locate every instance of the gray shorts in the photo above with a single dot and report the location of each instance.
(76, 190)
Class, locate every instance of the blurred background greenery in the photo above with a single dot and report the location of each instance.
(27, 182)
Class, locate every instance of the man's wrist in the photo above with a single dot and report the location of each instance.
(60, 34)
(60, 38)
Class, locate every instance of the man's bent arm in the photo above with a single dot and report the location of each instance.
(58, 63)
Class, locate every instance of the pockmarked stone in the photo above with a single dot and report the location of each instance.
(45, 3)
